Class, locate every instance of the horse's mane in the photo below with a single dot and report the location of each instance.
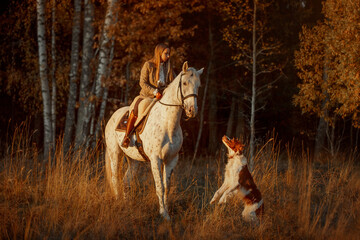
(177, 79)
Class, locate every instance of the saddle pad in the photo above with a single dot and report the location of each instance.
(121, 127)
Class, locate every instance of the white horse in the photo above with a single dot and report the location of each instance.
(162, 136)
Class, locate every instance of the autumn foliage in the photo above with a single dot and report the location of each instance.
(329, 65)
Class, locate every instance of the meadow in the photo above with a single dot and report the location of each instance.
(67, 197)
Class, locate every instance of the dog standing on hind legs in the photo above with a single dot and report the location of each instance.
(239, 180)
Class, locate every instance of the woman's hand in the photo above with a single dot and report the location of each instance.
(158, 95)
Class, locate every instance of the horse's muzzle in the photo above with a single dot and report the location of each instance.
(191, 112)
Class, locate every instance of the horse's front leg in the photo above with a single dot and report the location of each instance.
(156, 171)
(168, 170)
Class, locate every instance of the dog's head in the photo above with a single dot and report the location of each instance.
(234, 146)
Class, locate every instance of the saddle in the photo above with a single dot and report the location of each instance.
(144, 110)
(141, 108)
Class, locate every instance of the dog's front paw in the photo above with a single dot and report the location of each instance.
(222, 199)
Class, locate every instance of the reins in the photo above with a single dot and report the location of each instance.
(181, 94)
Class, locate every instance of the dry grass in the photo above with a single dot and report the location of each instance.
(68, 199)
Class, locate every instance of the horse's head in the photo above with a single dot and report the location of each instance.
(189, 85)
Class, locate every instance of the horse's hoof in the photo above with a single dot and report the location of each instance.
(165, 216)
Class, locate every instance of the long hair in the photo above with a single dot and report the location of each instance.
(159, 49)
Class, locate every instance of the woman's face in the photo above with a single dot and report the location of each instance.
(165, 55)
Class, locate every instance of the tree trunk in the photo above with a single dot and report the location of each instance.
(240, 121)
(213, 141)
(53, 69)
(104, 49)
(205, 92)
(43, 69)
(105, 95)
(82, 126)
(103, 63)
(74, 63)
(253, 97)
(322, 126)
(230, 123)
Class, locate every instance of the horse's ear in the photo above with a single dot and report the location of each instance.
(200, 71)
(185, 67)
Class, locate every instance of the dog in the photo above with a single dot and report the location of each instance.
(239, 180)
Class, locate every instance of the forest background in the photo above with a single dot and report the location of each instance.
(282, 75)
(287, 69)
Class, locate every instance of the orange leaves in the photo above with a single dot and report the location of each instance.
(328, 59)
(143, 24)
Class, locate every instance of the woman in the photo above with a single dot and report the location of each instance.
(155, 75)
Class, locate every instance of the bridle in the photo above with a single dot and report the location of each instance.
(181, 94)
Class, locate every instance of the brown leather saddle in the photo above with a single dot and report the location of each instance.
(121, 127)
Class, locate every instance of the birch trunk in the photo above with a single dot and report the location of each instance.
(104, 49)
(253, 97)
(74, 63)
(105, 95)
(82, 126)
(43, 69)
(53, 69)
(103, 63)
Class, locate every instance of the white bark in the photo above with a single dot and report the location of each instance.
(43, 69)
(253, 97)
(105, 96)
(104, 49)
(74, 63)
(82, 126)
(103, 64)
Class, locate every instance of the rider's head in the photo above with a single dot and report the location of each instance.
(162, 55)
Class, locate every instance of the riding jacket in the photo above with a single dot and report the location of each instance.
(148, 82)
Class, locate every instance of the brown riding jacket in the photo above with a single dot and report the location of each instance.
(148, 79)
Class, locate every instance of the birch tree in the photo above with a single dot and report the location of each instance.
(43, 70)
(250, 36)
(103, 64)
(83, 116)
(53, 69)
(74, 63)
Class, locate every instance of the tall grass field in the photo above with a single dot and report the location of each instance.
(68, 198)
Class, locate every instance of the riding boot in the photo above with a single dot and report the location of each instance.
(130, 125)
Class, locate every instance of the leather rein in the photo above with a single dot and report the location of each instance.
(182, 96)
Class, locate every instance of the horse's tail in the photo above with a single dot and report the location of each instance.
(113, 152)
(111, 173)
(108, 170)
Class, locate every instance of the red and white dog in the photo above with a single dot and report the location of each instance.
(239, 180)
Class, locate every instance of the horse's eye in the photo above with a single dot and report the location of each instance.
(185, 83)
